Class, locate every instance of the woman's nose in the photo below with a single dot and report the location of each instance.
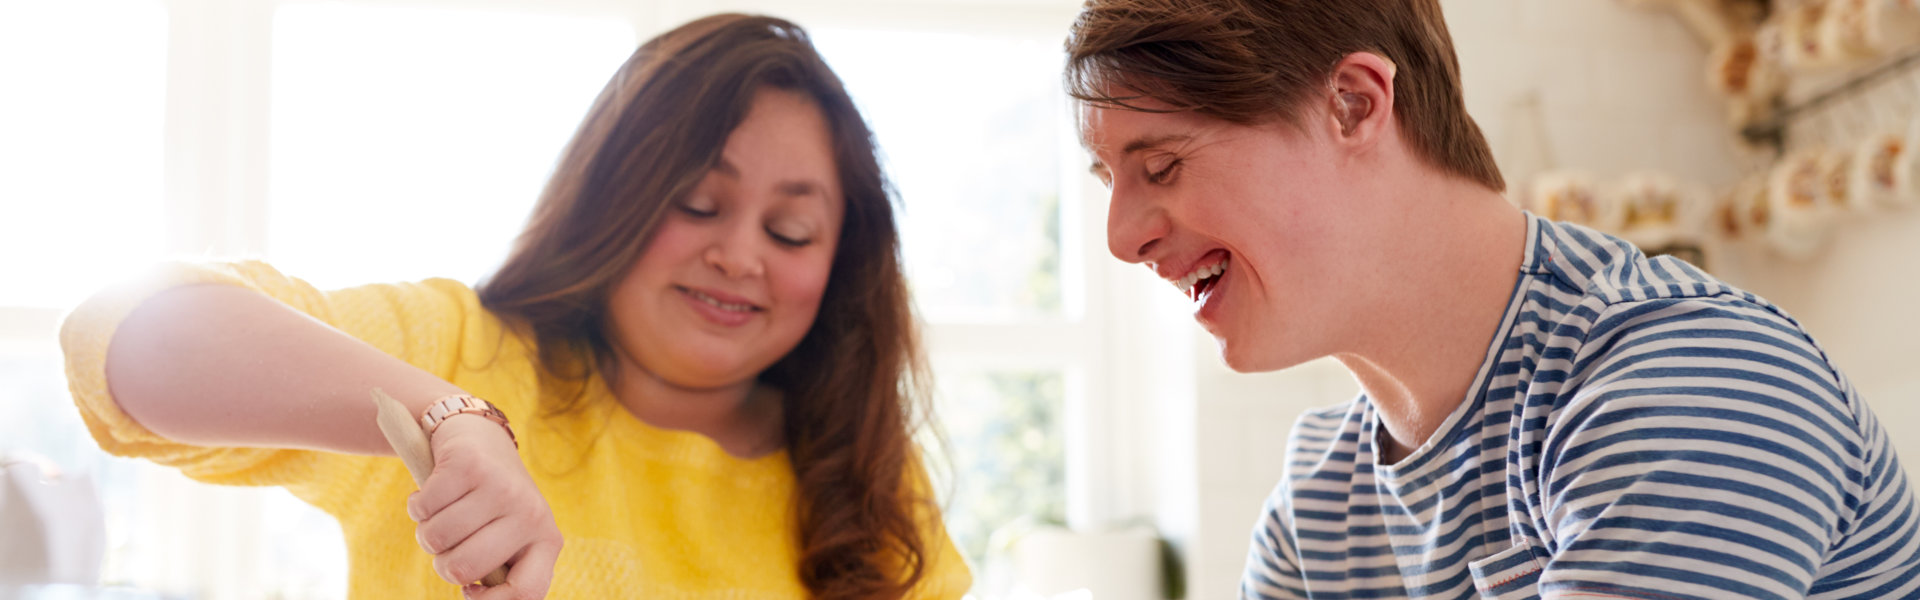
(735, 255)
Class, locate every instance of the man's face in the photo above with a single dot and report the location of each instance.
(1248, 222)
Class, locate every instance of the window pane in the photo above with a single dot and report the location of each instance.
(969, 128)
(80, 144)
(1007, 450)
(418, 149)
(41, 418)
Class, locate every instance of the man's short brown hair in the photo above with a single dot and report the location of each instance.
(1250, 61)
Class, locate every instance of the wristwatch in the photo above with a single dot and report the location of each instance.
(446, 408)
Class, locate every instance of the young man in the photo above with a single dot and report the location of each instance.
(1547, 413)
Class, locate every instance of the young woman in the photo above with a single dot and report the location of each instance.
(697, 371)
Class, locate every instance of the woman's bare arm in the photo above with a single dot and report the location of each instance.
(219, 365)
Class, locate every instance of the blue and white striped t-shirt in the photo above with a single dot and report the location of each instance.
(1638, 430)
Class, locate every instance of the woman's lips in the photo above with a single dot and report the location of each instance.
(719, 308)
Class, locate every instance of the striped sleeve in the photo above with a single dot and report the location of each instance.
(1709, 452)
(1273, 570)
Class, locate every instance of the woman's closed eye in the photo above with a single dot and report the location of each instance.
(699, 209)
(792, 237)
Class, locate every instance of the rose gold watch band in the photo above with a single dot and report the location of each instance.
(445, 408)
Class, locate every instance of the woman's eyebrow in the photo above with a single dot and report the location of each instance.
(800, 187)
(789, 188)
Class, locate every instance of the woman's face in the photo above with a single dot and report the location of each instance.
(734, 275)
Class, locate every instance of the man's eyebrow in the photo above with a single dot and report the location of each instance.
(1153, 141)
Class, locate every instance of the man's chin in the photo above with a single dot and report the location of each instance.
(1238, 357)
(1244, 359)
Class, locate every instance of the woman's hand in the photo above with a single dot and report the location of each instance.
(480, 510)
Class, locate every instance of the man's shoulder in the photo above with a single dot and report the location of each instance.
(1705, 348)
(1734, 330)
(1612, 270)
(1599, 286)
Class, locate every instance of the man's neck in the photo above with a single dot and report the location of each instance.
(1452, 262)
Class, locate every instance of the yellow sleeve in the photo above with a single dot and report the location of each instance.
(421, 323)
(947, 576)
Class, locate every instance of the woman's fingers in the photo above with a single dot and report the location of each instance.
(452, 525)
(481, 553)
(447, 485)
(468, 453)
(532, 572)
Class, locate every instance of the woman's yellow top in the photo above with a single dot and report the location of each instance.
(646, 512)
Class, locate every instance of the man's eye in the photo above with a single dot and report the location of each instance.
(1165, 174)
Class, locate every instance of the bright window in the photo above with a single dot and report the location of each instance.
(80, 145)
(417, 149)
(977, 166)
(81, 203)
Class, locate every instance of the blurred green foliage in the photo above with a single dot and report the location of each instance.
(1008, 453)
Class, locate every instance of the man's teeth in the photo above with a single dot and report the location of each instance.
(1186, 283)
(723, 305)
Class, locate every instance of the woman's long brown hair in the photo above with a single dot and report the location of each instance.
(853, 385)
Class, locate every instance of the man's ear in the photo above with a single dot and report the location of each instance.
(1362, 97)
